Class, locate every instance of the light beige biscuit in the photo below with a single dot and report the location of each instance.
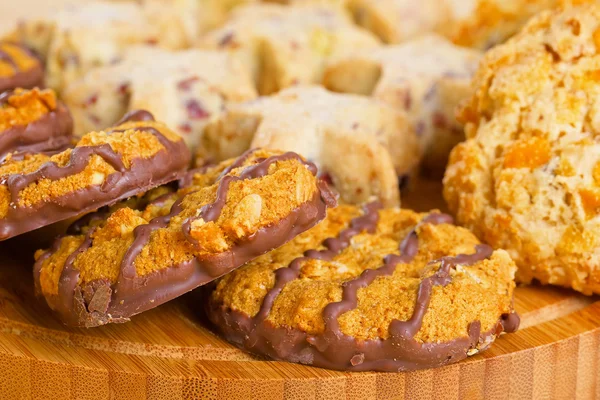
(427, 77)
(528, 178)
(80, 37)
(186, 89)
(288, 45)
(361, 145)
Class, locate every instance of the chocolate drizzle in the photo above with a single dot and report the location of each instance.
(132, 294)
(143, 174)
(27, 79)
(334, 349)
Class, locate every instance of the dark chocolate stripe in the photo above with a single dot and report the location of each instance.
(4, 56)
(26, 79)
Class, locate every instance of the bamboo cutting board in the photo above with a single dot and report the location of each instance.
(171, 353)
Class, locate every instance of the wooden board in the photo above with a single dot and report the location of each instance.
(169, 353)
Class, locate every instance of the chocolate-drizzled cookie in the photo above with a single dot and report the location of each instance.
(19, 67)
(33, 121)
(371, 289)
(136, 259)
(38, 189)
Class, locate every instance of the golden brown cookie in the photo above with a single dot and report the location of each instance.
(528, 178)
(136, 259)
(362, 146)
(37, 189)
(33, 121)
(19, 67)
(371, 289)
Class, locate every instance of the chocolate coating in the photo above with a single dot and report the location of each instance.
(27, 79)
(100, 302)
(163, 167)
(335, 350)
(51, 132)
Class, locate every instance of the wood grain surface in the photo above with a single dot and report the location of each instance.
(171, 353)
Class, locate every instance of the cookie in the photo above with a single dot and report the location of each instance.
(427, 77)
(19, 67)
(39, 189)
(395, 21)
(185, 89)
(223, 216)
(361, 146)
(370, 289)
(287, 45)
(528, 177)
(81, 37)
(33, 121)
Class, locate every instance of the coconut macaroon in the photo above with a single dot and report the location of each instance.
(185, 89)
(288, 45)
(427, 77)
(38, 189)
(360, 145)
(370, 289)
(138, 258)
(78, 38)
(528, 177)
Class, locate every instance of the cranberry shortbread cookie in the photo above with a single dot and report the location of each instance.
(185, 89)
(223, 216)
(362, 146)
(427, 77)
(528, 177)
(38, 189)
(288, 45)
(371, 289)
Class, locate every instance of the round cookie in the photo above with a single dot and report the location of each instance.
(427, 77)
(33, 121)
(371, 289)
(136, 259)
(288, 45)
(528, 178)
(38, 189)
(362, 146)
(19, 67)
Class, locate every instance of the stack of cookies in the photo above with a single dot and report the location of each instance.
(259, 152)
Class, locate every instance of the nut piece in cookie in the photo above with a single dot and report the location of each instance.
(185, 89)
(222, 217)
(528, 178)
(19, 67)
(371, 289)
(427, 77)
(90, 34)
(33, 121)
(288, 45)
(38, 189)
(359, 144)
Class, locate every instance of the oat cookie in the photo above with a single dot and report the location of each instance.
(427, 77)
(185, 89)
(360, 145)
(19, 67)
(288, 45)
(33, 121)
(137, 259)
(371, 289)
(528, 178)
(37, 189)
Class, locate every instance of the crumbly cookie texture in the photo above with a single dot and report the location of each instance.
(37, 189)
(185, 89)
(370, 289)
(528, 178)
(427, 77)
(361, 145)
(222, 217)
(81, 37)
(288, 45)
(19, 67)
(33, 121)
